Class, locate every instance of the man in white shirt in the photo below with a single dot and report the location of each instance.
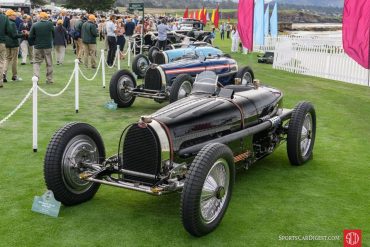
(112, 39)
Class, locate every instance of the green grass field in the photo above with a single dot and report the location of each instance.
(323, 197)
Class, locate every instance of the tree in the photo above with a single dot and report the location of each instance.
(90, 5)
(38, 2)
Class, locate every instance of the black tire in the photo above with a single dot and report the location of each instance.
(56, 176)
(120, 79)
(152, 51)
(140, 64)
(192, 217)
(245, 71)
(303, 111)
(227, 55)
(177, 84)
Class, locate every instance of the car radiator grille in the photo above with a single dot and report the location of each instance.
(153, 79)
(159, 58)
(141, 153)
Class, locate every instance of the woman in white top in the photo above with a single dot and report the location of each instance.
(234, 39)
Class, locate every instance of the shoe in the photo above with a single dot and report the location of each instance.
(31, 62)
(49, 82)
(93, 67)
(16, 78)
(4, 78)
(23, 63)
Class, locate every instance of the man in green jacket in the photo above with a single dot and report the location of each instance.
(12, 47)
(4, 30)
(42, 35)
(89, 33)
(78, 40)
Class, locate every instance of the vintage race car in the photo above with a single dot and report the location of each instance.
(174, 80)
(190, 51)
(267, 57)
(192, 146)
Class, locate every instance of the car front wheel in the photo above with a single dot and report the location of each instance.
(301, 133)
(72, 146)
(120, 85)
(207, 189)
(181, 87)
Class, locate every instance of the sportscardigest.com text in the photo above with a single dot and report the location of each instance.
(309, 237)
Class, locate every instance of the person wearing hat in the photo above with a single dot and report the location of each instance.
(12, 47)
(77, 37)
(60, 41)
(4, 31)
(89, 33)
(26, 49)
(42, 35)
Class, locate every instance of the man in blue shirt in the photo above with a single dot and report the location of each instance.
(112, 40)
(162, 35)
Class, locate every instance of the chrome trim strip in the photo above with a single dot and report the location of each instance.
(163, 139)
(138, 174)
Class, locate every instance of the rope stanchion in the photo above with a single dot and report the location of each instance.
(76, 70)
(103, 67)
(118, 57)
(129, 54)
(134, 47)
(34, 113)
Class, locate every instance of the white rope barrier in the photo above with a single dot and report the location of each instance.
(96, 72)
(118, 56)
(17, 107)
(77, 86)
(62, 91)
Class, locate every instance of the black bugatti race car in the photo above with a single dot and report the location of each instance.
(192, 146)
(175, 80)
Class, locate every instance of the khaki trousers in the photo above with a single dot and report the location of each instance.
(90, 50)
(39, 56)
(79, 49)
(11, 60)
(27, 50)
(2, 61)
(60, 51)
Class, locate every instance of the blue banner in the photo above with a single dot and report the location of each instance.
(274, 22)
(267, 17)
(258, 22)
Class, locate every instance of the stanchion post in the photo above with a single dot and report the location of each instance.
(135, 47)
(103, 67)
(34, 113)
(129, 53)
(77, 89)
(118, 58)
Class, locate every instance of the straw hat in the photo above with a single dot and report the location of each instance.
(92, 18)
(43, 15)
(10, 12)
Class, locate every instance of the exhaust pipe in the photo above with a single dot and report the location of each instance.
(267, 124)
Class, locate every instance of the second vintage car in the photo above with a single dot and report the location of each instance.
(175, 80)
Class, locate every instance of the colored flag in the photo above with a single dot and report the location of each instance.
(267, 21)
(258, 22)
(186, 13)
(245, 22)
(204, 16)
(213, 16)
(356, 31)
(274, 22)
(208, 19)
(194, 15)
(216, 18)
(197, 15)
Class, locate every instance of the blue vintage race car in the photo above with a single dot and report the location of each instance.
(175, 80)
(192, 51)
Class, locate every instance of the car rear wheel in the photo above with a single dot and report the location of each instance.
(120, 85)
(246, 75)
(207, 189)
(301, 133)
(181, 87)
(71, 146)
(151, 54)
(139, 65)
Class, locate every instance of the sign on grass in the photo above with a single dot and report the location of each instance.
(136, 6)
(46, 204)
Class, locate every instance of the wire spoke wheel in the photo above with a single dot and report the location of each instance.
(185, 89)
(124, 84)
(214, 191)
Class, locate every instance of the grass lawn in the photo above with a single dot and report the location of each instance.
(323, 197)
